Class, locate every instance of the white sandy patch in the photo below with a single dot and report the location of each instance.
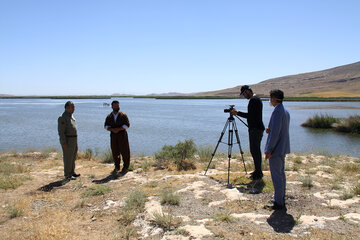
(252, 217)
(233, 194)
(185, 218)
(196, 187)
(316, 221)
(152, 207)
(174, 237)
(112, 204)
(197, 231)
(324, 195)
(354, 217)
(205, 220)
(324, 175)
(217, 203)
(343, 203)
(294, 182)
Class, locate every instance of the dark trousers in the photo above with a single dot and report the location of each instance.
(277, 169)
(69, 156)
(120, 146)
(255, 136)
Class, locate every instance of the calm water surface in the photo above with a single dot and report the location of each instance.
(32, 124)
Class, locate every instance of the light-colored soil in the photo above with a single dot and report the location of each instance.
(208, 207)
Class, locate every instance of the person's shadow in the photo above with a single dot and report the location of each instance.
(51, 186)
(254, 187)
(281, 222)
(106, 179)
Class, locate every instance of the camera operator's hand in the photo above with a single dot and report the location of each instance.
(234, 111)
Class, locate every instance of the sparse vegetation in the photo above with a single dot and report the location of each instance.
(307, 182)
(223, 217)
(168, 197)
(205, 153)
(349, 125)
(107, 156)
(96, 191)
(320, 121)
(180, 154)
(166, 221)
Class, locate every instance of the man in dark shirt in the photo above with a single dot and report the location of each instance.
(256, 128)
(117, 122)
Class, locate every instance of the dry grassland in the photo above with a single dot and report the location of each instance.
(323, 200)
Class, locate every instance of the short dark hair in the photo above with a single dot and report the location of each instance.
(278, 94)
(68, 103)
(114, 102)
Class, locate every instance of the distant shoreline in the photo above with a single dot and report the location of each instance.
(288, 99)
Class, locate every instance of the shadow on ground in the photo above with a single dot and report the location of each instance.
(281, 222)
(51, 186)
(254, 187)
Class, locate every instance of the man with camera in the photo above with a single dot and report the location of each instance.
(256, 128)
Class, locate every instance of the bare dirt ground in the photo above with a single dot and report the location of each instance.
(323, 200)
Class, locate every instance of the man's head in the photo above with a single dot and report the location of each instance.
(276, 97)
(115, 106)
(69, 107)
(246, 91)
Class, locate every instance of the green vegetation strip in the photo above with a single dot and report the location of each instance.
(347, 125)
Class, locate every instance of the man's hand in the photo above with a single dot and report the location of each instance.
(268, 130)
(65, 146)
(267, 155)
(234, 111)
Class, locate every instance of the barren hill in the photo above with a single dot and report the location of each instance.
(342, 81)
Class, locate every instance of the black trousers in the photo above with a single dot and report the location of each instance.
(255, 137)
(120, 146)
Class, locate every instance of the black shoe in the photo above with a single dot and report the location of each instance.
(123, 172)
(71, 178)
(275, 206)
(256, 176)
(115, 171)
(76, 175)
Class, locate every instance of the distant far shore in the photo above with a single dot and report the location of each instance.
(291, 99)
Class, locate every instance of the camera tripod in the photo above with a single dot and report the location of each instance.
(231, 124)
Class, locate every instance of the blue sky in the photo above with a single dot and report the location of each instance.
(154, 46)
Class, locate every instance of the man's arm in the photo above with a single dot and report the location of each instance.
(61, 131)
(274, 134)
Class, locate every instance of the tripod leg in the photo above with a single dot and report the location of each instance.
(230, 144)
(238, 142)
(217, 145)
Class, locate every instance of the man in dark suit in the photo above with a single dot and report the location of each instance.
(277, 146)
(117, 122)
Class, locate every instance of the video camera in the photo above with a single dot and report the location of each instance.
(227, 110)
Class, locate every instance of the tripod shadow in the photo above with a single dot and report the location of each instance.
(253, 187)
(281, 222)
(51, 186)
(106, 179)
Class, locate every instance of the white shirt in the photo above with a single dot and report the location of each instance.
(115, 117)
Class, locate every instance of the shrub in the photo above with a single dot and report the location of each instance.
(168, 197)
(356, 189)
(89, 153)
(307, 182)
(320, 121)
(178, 154)
(96, 190)
(15, 212)
(352, 124)
(223, 217)
(205, 153)
(107, 156)
(12, 182)
(136, 201)
(165, 221)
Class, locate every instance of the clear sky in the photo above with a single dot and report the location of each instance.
(68, 47)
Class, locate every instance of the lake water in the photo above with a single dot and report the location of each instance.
(32, 124)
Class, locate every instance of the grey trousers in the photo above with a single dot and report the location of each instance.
(277, 169)
(69, 156)
(255, 136)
